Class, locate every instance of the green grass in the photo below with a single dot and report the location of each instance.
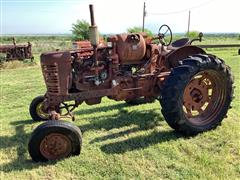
(119, 141)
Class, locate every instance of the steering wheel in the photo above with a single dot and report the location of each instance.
(163, 32)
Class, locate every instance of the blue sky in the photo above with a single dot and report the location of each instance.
(115, 16)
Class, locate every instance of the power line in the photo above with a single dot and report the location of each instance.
(183, 10)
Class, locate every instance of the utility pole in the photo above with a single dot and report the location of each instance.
(189, 19)
(144, 15)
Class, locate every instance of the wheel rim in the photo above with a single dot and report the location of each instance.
(204, 97)
(41, 113)
(55, 146)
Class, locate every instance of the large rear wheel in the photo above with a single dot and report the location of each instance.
(197, 94)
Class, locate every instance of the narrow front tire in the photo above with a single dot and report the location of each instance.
(37, 111)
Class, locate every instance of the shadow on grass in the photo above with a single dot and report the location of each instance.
(20, 141)
(143, 120)
(19, 137)
(101, 108)
(139, 142)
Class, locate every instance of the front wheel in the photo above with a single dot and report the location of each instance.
(37, 111)
(197, 94)
(55, 140)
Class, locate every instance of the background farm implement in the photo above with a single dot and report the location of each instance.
(16, 52)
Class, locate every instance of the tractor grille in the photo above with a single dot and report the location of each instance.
(56, 68)
(50, 73)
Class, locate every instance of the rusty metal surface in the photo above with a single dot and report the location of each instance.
(55, 146)
(93, 30)
(81, 44)
(202, 93)
(175, 56)
(56, 68)
(17, 52)
(127, 67)
(130, 47)
(92, 15)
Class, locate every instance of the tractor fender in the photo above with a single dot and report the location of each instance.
(181, 53)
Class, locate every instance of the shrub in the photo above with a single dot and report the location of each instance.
(192, 34)
(136, 29)
(80, 30)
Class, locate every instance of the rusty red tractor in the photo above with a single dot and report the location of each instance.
(194, 88)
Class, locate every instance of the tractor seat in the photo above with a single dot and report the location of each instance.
(179, 43)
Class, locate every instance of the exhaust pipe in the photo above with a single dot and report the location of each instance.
(93, 31)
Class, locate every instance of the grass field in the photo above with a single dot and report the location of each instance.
(119, 141)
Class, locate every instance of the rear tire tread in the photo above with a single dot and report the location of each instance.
(172, 90)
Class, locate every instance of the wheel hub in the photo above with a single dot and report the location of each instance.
(196, 95)
(41, 112)
(204, 97)
(55, 146)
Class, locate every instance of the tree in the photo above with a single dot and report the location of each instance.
(192, 34)
(80, 30)
(136, 29)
